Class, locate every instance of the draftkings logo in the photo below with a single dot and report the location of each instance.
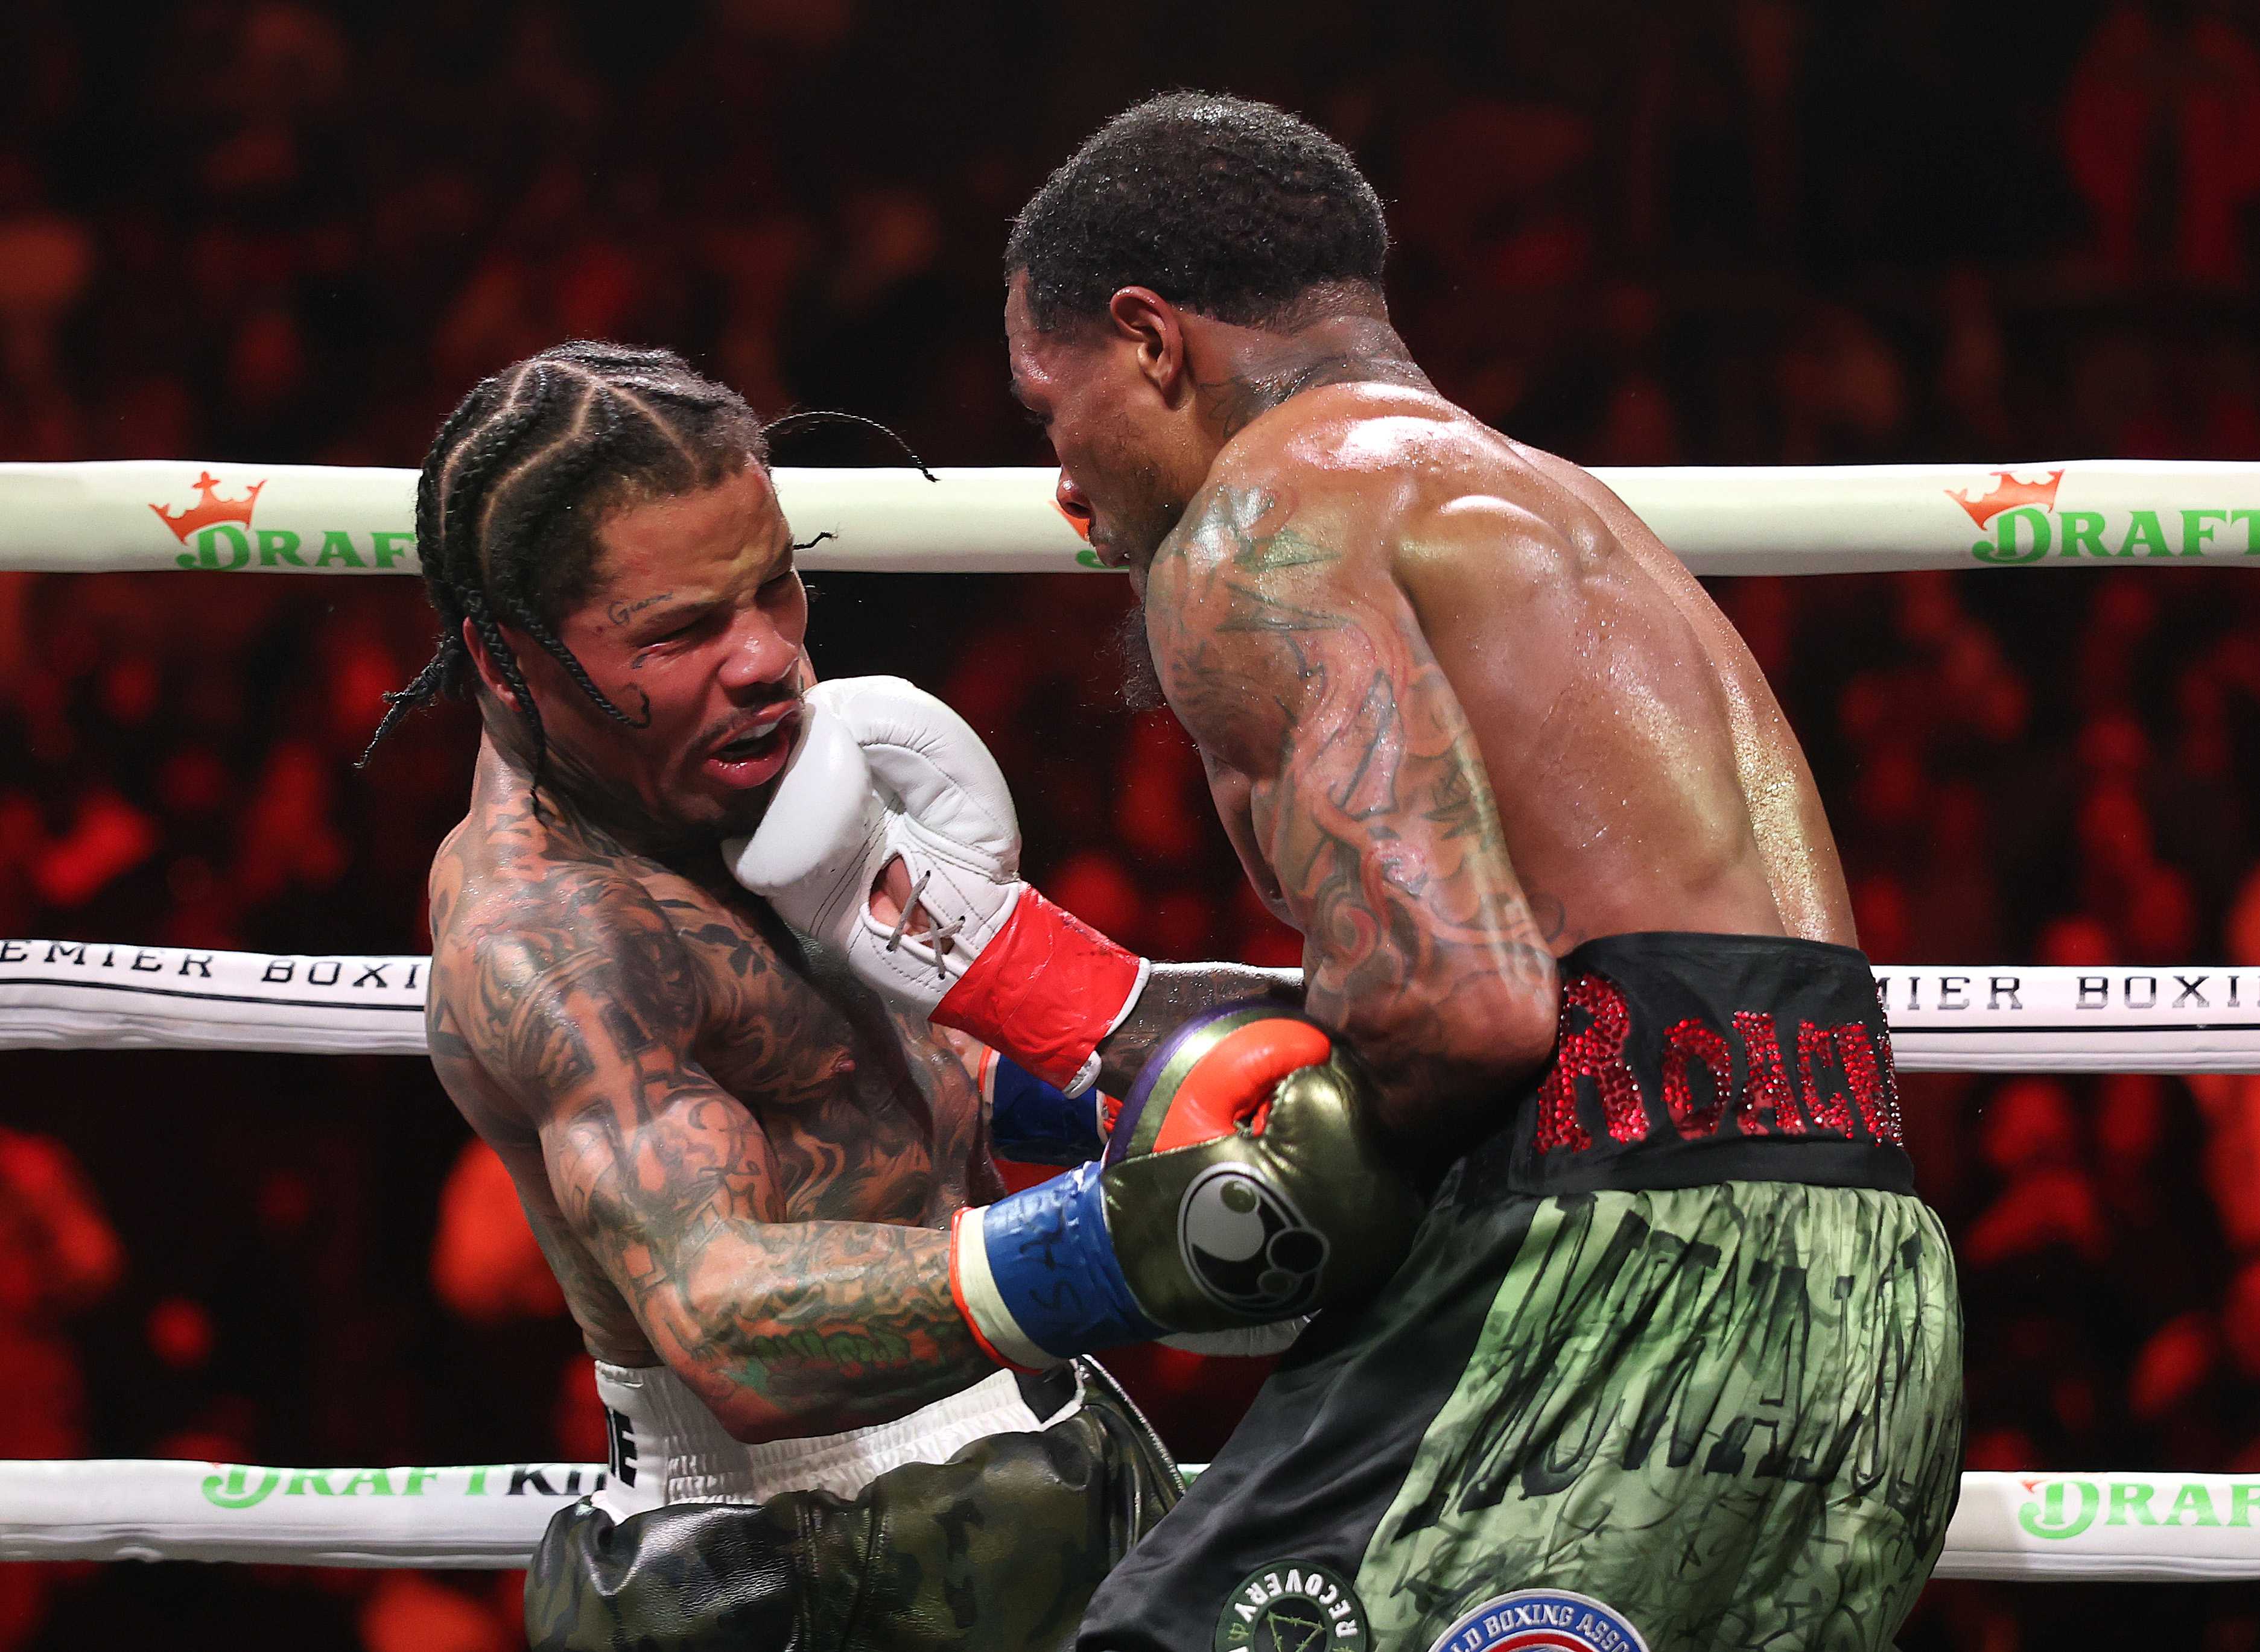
(209, 509)
(1291, 1605)
(2063, 1507)
(2020, 516)
(217, 532)
(1532, 1619)
(236, 1486)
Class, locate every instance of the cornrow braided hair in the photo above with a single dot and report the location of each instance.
(518, 479)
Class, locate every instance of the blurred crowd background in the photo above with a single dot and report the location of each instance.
(1709, 232)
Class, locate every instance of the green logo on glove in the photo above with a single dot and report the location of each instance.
(1293, 1606)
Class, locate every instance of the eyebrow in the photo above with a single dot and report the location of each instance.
(646, 613)
(781, 553)
(643, 615)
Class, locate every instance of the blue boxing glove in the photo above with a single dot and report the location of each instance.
(1241, 1187)
(1038, 1123)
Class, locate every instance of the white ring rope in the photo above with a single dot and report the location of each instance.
(159, 514)
(2093, 1527)
(180, 514)
(98, 995)
(2176, 1019)
(478, 1516)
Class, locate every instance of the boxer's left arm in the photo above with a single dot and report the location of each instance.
(1295, 659)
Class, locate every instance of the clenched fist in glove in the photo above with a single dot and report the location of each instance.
(885, 770)
(1241, 1188)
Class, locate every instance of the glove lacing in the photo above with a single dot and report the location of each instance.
(937, 937)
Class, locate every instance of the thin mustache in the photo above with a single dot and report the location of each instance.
(733, 727)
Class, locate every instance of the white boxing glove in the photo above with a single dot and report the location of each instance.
(883, 768)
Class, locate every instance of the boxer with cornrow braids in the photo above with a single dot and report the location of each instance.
(741, 1163)
(510, 484)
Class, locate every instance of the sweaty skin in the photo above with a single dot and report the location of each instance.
(737, 1161)
(1382, 531)
(1460, 709)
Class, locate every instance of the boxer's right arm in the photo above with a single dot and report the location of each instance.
(1177, 993)
(1295, 659)
(785, 1327)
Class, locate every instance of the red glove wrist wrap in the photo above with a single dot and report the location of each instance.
(1044, 990)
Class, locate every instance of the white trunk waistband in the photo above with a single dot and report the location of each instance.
(668, 1448)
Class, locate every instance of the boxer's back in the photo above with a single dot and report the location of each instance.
(1644, 775)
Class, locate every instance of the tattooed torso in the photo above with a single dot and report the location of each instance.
(1461, 711)
(735, 1158)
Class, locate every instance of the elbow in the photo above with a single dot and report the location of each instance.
(1448, 1083)
(795, 1399)
(1487, 1063)
(1525, 1044)
(751, 1417)
(1497, 1039)
(752, 1420)
(752, 1405)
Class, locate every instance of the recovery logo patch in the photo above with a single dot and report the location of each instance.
(1540, 1620)
(1293, 1606)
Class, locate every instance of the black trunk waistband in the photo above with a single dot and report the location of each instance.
(1688, 1059)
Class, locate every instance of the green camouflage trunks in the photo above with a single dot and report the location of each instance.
(1683, 1378)
(998, 1549)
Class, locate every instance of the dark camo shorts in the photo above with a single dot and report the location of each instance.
(999, 1549)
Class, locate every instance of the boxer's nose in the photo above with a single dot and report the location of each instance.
(760, 659)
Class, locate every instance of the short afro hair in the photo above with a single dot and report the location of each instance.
(1224, 206)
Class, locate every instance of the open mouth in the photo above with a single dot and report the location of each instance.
(749, 746)
(756, 756)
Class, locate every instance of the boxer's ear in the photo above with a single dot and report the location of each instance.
(1150, 323)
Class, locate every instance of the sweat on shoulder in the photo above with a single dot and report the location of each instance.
(1564, 881)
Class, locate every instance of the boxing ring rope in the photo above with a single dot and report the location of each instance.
(157, 514)
(2093, 1527)
(95, 995)
(1945, 1018)
(161, 515)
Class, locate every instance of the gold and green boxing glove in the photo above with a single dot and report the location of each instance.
(1242, 1184)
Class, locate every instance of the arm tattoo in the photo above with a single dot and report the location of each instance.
(1370, 801)
(584, 1003)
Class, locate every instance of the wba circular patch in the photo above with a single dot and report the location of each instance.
(1293, 1606)
(1540, 1620)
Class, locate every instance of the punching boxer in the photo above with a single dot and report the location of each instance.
(1675, 1360)
(742, 1167)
